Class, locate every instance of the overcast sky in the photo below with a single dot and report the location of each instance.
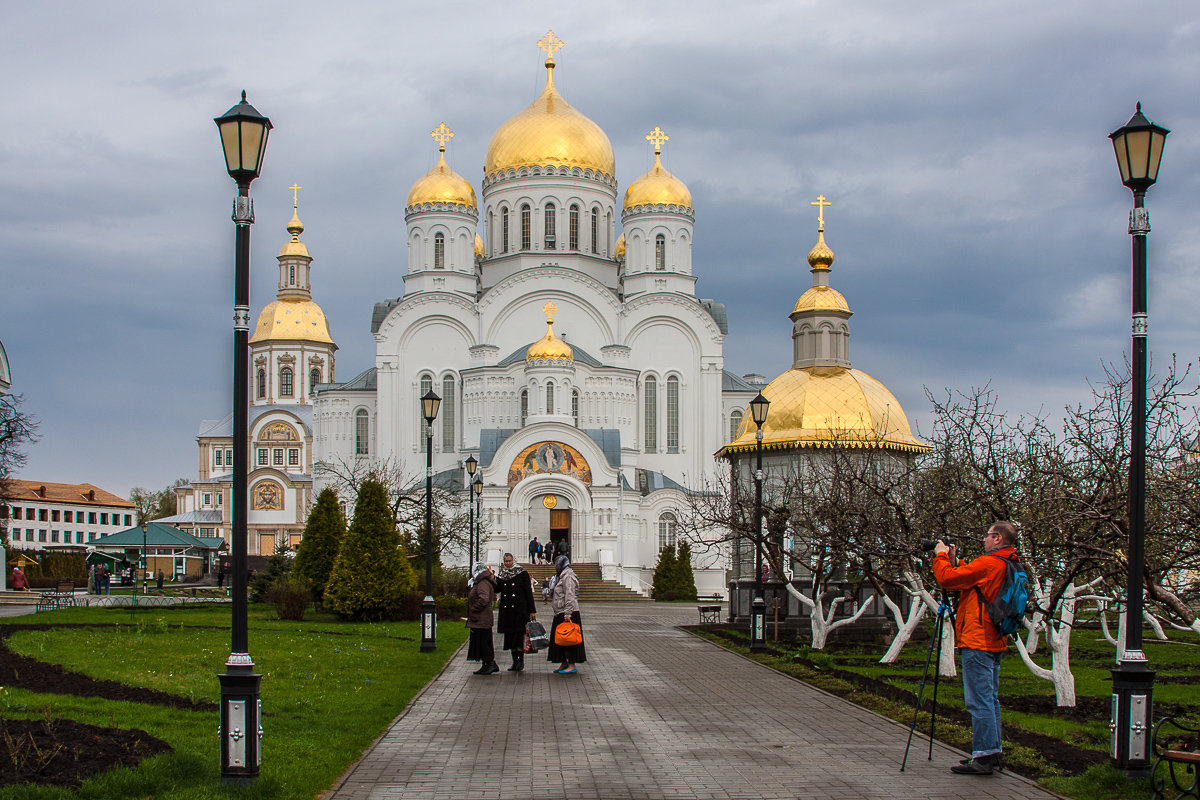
(978, 218)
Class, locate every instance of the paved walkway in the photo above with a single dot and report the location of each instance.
(655, 713)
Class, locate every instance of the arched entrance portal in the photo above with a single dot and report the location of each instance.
(550, 520)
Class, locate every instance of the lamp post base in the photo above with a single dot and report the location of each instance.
(428, 624)
(758, 625)
(241, 720)
(1132, 715)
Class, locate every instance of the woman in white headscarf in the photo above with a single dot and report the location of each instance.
(480, 618)
(564, 600)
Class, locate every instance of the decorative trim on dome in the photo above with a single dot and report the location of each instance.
(563, 170)
(686, 212)
(561, 363)
(460, 208)
(826, 444)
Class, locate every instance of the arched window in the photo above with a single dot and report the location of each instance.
(362, 433)
(314, 377)
(504, 230)
(524, 406)
(660, 252)
(426, 388)
(551, 227)
(439, 250)
(735, 422)
(651, 411)
(285, 382)
(573, 228)
(448, 415)
(575, 406)
(672, 414)
(595, 230)
(260, 382)
(526, 232)
(549, 398)
(667, 527)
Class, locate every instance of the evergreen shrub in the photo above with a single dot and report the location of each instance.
(664, 574)
(370, 576)
(323, 534)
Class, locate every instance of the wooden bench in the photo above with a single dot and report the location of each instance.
(62, 596)
(1177, 760)
(709, 615)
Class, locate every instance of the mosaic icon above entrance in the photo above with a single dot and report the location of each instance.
(549, 458)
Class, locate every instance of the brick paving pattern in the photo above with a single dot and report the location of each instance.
(655, 713)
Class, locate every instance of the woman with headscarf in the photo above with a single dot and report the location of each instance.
(564, 600)
(480, 618)
(516, 608)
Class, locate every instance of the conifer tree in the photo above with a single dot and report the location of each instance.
(323, 534)
(684, 583)
(664, 574)
(370, 576)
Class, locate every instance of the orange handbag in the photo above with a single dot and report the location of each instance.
(568, 634)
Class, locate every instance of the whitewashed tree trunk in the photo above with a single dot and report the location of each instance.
(822, 622)
(921, 601)
(1057, 631)
(1159, 633)
(1194, 627)
(1108, 637)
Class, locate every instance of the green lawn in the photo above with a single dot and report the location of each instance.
(328, 689)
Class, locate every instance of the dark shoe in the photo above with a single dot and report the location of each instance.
(482, 670)
(492, 668)
(993, 761)
(973, 766)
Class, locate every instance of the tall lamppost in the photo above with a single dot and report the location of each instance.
(471, 464)
(758, 608)
(1138, 145)
(429, 409)
(145, 558)
(244, 139)
(477, 490)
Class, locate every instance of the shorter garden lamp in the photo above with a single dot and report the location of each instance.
(758, 608)
(471, 464)
(429, 409)
(477, 490)
(145, 558)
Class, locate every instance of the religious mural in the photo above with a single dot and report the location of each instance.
(278, 432)
(267, 496)
(549, 457)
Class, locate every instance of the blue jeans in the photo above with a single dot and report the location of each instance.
(981, 691)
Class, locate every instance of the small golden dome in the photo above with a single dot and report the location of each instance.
(549, 347)
(820, 257)
(620, 250)
(829, 407)
(657, 187)
(292, 319)
(478, 245)
(295, 247)
(550, 132)
(822, 298)
(442, 185)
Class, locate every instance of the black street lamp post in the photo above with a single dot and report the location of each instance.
(758, 608)
(477, 490)
(429, 409)
(244, 134)
(471, 464)
(1138, 145)
(145, 559)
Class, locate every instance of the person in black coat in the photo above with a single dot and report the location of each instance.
(516, 608)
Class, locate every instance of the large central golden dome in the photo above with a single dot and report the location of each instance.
(550, 133)
(829, 407)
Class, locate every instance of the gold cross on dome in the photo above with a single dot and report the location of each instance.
(295, 195)
(549, 310)
(820, 203)
(442, 134)
(657, 137)
(551, 44)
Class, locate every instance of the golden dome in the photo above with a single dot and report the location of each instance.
(829, 407)
(620, 250)
(820, 257)
(291, 319)
(442, 185)
(822, 298)
(657, 187)
(549, 347)
(479, 245)
(295, 247)
(550, 132)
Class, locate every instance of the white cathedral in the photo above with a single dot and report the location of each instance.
(577, 365)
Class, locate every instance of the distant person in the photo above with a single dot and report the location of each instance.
(562, 549)
(220, 577)
(564, 599)
(160, 579)
(19, 581)
(516, 608)
(480, 618)
(535, 547)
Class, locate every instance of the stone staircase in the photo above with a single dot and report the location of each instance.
(592, 586)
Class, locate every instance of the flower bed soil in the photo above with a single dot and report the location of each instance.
(62, 752)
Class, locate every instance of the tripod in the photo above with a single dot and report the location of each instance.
(943, 611)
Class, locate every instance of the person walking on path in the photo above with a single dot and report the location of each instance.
(480, 619)
(516, 608)
(980, 642)
(535, 547)
(564, 600)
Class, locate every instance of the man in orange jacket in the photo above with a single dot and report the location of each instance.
(980, 643)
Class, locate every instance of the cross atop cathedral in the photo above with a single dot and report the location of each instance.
(549, 310)
(551, 44)
(443, 135)
(295, 195)
(657, 137)
(820, 203)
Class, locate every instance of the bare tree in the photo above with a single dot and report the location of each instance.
(18, 429)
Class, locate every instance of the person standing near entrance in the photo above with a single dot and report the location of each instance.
(562, 548)
(516, 608)
(564, 599)
(480, 619)
(534, 548)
